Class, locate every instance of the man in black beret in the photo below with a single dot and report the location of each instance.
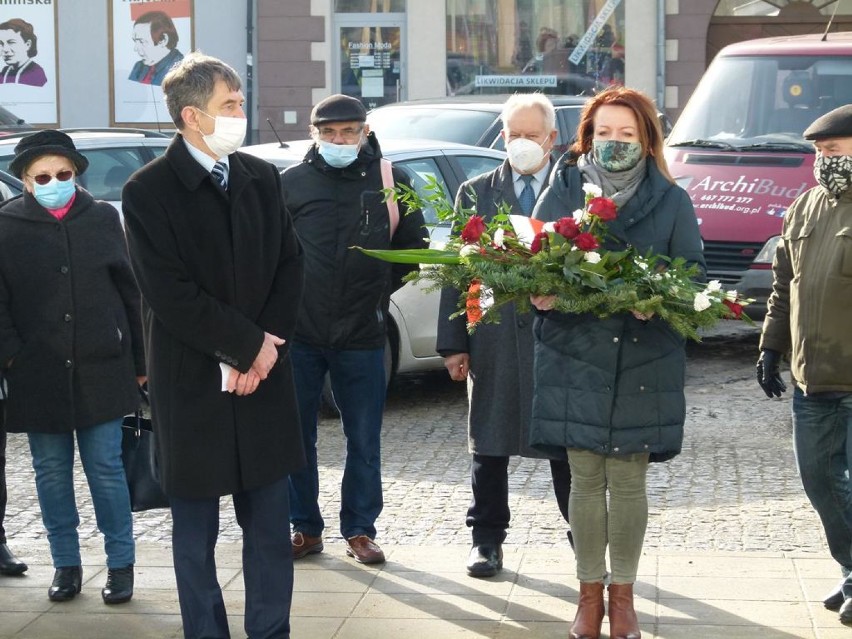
(335, 197)
(809, 318)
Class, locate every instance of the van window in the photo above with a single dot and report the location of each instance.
(763, 102)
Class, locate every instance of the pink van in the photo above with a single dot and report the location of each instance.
(738, 149)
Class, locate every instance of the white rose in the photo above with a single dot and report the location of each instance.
(731, 296)
(468, 249)
(592, 189)
(498, 238)
(579, 216)
(701, 302)
(549, 227)
(592, 256)
(714, 285)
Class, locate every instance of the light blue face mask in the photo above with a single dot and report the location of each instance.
(54, 194)
(338, 155)
(615, 156)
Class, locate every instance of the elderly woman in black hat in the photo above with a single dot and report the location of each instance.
(71, 346)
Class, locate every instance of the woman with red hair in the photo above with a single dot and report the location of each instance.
(610, 390)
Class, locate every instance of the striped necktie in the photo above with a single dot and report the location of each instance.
(220, 174)
(527, 197)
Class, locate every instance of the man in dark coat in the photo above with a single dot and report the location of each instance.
(335, 196)
(497, 360)
(220, 269)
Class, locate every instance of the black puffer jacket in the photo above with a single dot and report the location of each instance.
(614, 386)
(346, 294)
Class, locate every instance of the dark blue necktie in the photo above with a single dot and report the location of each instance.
(527, 197)
(220, 174)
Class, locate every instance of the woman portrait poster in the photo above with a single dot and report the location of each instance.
(148, 38)
(28, 65)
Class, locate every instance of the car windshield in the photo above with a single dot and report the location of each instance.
(452, 125)
(762, 103)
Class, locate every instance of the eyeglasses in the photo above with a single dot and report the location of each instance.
(44, 178)
(346, 134)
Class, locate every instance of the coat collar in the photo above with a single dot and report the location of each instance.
(194, 176)
(25, 207)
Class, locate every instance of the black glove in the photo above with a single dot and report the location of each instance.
(767, 373)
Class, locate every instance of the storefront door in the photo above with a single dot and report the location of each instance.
(370, 58)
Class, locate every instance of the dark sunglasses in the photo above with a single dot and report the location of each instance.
(44, 178)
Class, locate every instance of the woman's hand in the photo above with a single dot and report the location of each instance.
(642, 317)
(543, 302)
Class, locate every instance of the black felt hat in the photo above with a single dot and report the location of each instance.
(338, 108)
(834, 124)
(47, 142)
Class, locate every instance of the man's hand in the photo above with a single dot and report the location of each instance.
(458, 366)
(267, 356)
(767, 373)
(243, 383)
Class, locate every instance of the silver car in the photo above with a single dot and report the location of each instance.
(113, 154)
(413, 312)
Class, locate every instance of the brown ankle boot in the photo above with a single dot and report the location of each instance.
(623, 623)
(590, 611)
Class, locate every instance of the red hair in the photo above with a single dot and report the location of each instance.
(650, 132)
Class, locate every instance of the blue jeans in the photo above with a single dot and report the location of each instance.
(53, 462)
(358, 384)
(822, 432)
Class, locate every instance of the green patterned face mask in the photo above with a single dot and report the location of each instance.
(615, 156)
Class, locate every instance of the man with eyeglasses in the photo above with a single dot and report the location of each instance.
(336, 200)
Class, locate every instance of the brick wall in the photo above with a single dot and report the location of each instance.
(687, 22)
(285, 74)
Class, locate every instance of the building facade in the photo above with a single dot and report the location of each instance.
(99, 56)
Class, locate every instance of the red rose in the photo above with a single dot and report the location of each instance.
(586, 241)
(474, 228)
(735, 309)
(567, 227)
(536, 245)
(603, 208)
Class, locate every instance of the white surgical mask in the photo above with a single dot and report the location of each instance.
(524, 155)
(338, 155)
(228, 135)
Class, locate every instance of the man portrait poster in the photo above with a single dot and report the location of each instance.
(28, 65)
(148, 38)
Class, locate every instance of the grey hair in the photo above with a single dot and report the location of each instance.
(191, 82)
(530, 100)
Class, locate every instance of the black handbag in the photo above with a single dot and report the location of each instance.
(139, 455)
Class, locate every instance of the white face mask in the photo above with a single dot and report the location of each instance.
(228, 135)
(525, 155)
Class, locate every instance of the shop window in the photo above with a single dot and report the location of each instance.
(369, 6)
(500, 46)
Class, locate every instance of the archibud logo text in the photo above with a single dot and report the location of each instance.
(755, 186)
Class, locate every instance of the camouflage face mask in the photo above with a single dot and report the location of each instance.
(615, 156)
(834, 174)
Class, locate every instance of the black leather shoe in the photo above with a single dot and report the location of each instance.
(485, 560)
(835, 598)
(9, 564)
(119, 585)
(846, 612)
(66, 583)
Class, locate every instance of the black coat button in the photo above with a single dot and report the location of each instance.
(67, 317)
(68, 363)
(63, 269)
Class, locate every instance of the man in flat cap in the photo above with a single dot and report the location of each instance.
(809, 318)
(335, 197)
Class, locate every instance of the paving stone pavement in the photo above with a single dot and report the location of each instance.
(733, 488)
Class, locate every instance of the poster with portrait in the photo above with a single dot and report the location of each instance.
(147, 38)
(28, 86)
